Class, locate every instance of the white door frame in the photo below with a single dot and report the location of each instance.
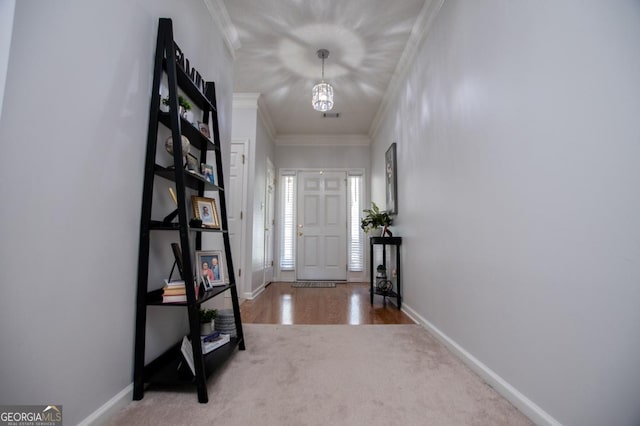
(241, 281)
(269, 216)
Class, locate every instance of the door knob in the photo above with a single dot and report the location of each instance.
(300, 234)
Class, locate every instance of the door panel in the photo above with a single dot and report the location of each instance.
(322, 226)
(310, 210)
(332, 210)
(310, 251)
(332, 251)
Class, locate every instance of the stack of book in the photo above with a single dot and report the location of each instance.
(175, 292)
(209, 343)
(214, 341)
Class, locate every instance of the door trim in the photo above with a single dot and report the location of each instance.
(241, 281)
(289, 275)
(271, 211)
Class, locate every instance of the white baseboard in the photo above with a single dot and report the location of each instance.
(255, 293)
(109, 408)
(521, 402)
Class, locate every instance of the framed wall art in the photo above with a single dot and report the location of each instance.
(391, 180)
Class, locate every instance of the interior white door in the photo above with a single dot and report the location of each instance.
(322, 226)
(269, 221)
(234, 194)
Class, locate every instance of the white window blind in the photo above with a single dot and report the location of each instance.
(356, 237)
(287, 231)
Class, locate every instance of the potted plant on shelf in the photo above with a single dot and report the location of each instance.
(375, 220)
(207, 320)
(185, 105)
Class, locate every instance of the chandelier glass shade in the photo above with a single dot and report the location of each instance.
(322, 93)
(322, 97)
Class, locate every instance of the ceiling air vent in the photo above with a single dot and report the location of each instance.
(331, 115)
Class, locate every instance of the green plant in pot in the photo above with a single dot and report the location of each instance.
(185, 105)
(375, 220)
(207, 320)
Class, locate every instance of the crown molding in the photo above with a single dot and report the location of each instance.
(323, 140)
(219, 13)
(255, 101)
(419, 32)
(263, 114)
(245, 100)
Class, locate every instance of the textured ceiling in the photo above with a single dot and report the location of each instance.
(277, 57)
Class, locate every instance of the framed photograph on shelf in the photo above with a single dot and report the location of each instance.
(204, 129)
(205, 210)
(391, 172)
(207, 172)
(211, 268)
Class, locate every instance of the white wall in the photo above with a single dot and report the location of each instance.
(317, 156)
(518, 146)
(73, 145)
(7, 8)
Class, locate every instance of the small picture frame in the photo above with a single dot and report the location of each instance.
(192, 163)
(205, 210)
(204, 129)
(210, 265)
(207, 172)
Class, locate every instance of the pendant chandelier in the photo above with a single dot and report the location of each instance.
(322, 99)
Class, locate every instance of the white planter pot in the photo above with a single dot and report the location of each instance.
(376, 232)
(207, 327)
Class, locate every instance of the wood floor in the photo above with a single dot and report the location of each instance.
(347, 303)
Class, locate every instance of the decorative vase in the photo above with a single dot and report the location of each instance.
(186, 114)
(168, 145)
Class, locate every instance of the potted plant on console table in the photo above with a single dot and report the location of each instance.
(375, 221)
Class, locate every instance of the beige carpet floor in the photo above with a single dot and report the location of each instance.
(333, 375)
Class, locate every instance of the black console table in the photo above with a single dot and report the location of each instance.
(386, 241)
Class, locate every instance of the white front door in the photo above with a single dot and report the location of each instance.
(234, 194)
(322, 226)
(269, 221)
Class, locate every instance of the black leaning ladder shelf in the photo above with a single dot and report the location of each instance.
(168, 368)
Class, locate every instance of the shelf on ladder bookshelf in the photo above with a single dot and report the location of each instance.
(165, 368)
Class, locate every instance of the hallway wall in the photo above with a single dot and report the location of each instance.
(518, 147)
(7, 8)
(73, 133)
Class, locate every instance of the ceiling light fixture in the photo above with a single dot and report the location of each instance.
(322, 92)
